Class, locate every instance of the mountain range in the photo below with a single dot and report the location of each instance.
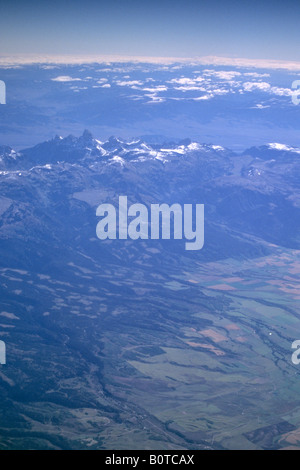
(122, 343)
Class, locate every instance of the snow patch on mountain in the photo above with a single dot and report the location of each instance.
(283, 148)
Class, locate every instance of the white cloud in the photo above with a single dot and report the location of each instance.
(220, 91)
(189, 88)
(261, 106)
(281, 91)
(48, 67)
(250, 86)
(204, 97)
(118, 159)
(156, 89)
(66, 78)
(92, 59)
(154, 98)
(266, 87)
(222, 75)
(183, 81)
(129, 83)
(77, 88)
(256, 75)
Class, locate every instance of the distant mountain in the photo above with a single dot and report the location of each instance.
(274, 151)
(72, 149)
(250, 195)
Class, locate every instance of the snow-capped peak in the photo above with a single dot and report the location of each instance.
(283, 148)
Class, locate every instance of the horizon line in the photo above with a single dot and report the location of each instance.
(71, 59)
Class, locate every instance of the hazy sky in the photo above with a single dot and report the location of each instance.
(180, 28)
